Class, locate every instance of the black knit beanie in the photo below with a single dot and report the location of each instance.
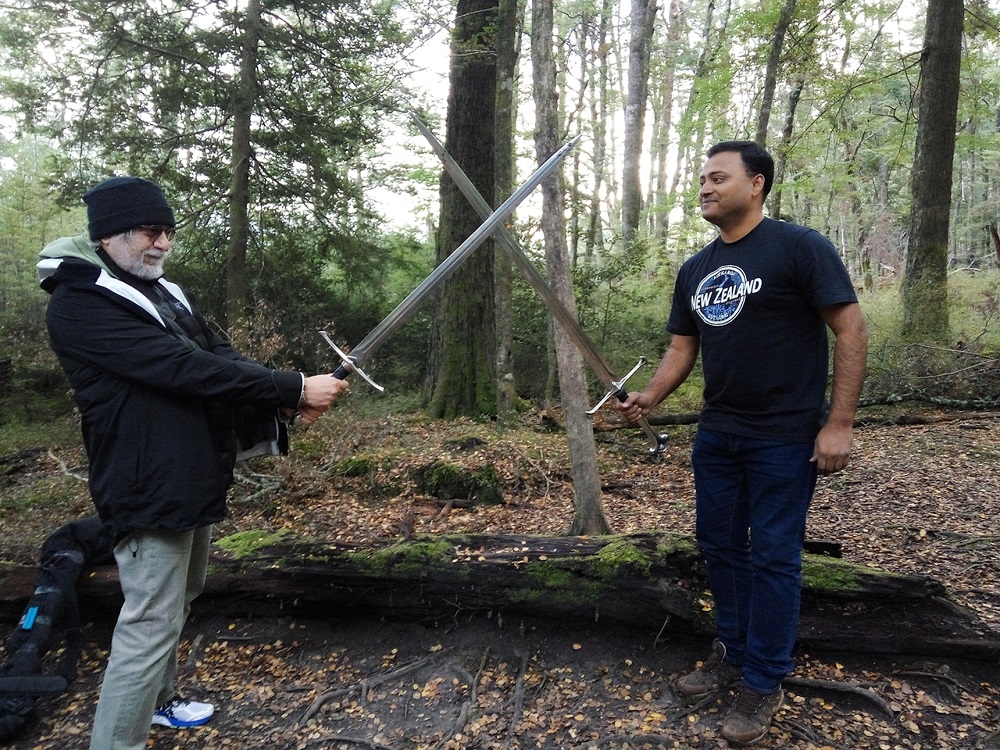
(118, 204)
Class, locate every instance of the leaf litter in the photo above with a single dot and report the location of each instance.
(915, 499)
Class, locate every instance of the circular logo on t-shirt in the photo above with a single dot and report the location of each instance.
(720, 295)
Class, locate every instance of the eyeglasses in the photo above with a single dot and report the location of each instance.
(152, 232)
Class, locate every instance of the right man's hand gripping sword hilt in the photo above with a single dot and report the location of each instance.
(659, 441)
(348, 365)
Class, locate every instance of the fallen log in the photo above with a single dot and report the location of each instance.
(654, 581)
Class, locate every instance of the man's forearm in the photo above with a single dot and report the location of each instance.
(850, 357)
(676, 365)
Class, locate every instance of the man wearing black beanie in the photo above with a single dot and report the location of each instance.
(167, 408)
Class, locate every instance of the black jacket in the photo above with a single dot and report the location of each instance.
(159, 403)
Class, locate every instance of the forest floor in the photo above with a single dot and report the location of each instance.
(921, 499)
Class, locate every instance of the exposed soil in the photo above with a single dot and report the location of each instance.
(916, 499)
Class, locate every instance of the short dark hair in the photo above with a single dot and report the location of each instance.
(755, 158)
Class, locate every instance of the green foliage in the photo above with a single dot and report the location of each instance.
(444, 480)
(354, 466)
(621, 305)
(962, 369)
(30, 376)
(90, 94)
(324, 82)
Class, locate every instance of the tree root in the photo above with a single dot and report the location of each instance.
(351, 740)
(325, 698)
(706, 701)
(463, 713)
(843, 687)
(369, 683)
(801, 731)
(632, 739)
(365, 686)
(518, 703)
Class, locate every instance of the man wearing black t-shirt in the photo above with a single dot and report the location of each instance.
(756, 302)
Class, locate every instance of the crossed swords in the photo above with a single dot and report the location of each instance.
(493, 224)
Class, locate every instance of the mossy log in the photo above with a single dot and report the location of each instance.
(654, 581)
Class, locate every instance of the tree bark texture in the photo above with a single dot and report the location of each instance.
(242, 156)
(593, 244)
(463, 356)
(508, 33)
(771, 70)
(589, 517)
(641, 40)
(662, 199)
(925, 285)
(653, 581)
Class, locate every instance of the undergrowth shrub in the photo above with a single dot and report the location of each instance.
(962, 369)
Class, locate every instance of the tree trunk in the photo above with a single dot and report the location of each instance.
(239, 188)
(589, 510)
(662, 198)
(640, 42)
(508, 32)
(771, 71)
(925, 285)
(689, 121)
(781, 162)
(653, 581)
(594, 237)
(463, 356)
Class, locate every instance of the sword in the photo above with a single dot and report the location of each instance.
(379, 334)
(558, 310)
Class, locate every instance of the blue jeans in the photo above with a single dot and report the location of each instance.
(752, 499)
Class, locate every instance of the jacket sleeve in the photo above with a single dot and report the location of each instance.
(92, 330)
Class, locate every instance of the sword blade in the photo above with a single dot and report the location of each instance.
(392, 322)
(555, 306)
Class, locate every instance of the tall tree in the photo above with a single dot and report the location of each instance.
(589, 515)
(661, 199)
(463, 352)
(508, 34)
(799, 64)
(692, 123)
(642, 21)
(239, 109)
(239, 188)
(595, 43)
(925, 285)
(771, 69)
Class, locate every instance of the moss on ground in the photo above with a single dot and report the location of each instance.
(245, 544)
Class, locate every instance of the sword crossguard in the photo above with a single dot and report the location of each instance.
(618, 391)
(348, 364)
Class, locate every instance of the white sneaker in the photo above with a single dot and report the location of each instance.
(181, 714)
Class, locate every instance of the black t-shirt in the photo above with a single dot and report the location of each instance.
(755, 306)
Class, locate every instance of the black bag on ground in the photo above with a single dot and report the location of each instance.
(52, 608)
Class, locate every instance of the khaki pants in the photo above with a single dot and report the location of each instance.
(161, 574)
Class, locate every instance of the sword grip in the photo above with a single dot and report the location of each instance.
(341, 373)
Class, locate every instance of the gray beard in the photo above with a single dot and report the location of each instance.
(147, 273)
